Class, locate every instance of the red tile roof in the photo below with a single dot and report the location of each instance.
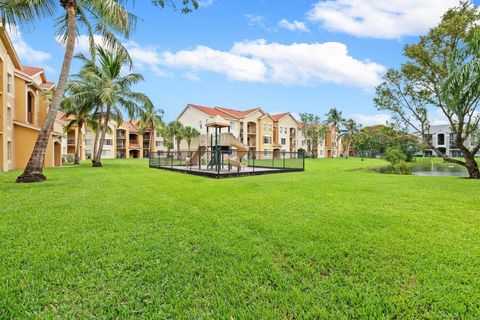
(31, 71)
(223, 112)
(132, 126)
(237, 113)
(279, 116)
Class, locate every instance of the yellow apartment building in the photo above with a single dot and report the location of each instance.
(24, 93)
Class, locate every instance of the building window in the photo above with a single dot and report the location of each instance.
(159, 144)
(9, 115)
(9, 83)
(303, 142)
(88, 132)
(200, 124)
(270, 127)
(284, 141)
(232, 125)
(88, 142)
(264, 127)
(106, 153)
(266, 152)
(9, 150)
(158, 134)
(321, 152)
(266, 140)
(108, 142)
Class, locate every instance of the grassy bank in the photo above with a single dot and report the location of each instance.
(332, 242)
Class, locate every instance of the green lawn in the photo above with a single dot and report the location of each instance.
(126, 241)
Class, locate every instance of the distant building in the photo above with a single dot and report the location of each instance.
(442, 138)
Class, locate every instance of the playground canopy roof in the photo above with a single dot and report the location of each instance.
(218, 122)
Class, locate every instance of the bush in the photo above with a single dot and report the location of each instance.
(394, 155)
(68, 158)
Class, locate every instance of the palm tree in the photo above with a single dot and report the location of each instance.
(103, 78)
(105, 17)
(150, 119)
(188, 134)
(175, 130)
(335, 118)
(167, 139)
(79, 115)
(351, 131)
(313, 131)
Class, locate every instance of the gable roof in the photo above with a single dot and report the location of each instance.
(212, 111)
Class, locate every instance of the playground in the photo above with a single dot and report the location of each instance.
(219, 154)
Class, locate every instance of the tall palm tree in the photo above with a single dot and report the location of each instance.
(103, 78)
(335, 118)
(150, 119)
(351, 131)
(104, 17)
(167, 138)
(79, 115)
(188, 134)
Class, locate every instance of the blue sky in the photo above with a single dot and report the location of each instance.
(298, 56)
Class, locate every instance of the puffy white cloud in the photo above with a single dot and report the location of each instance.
(204, 58)
(385, 19)
(293, 26)
(304, 63)
(371, 120)
(25, 52)
(205, 3)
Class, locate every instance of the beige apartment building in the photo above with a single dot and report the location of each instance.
(24, 94)
(259, 130)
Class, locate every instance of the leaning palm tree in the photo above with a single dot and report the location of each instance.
(188, 134)
(351, 131)
(103, 78)
(150, 119)
(104, 17)
(335, 118)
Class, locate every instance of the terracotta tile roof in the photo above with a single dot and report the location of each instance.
(237, 113)
(48, 85)
(31, 71)
(279, 116)
(212, 111)
(132, 126)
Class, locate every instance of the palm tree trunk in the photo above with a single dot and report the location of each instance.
(97, 135)
(98, 159)
(152, 149)
(34, 169)
(79, 141)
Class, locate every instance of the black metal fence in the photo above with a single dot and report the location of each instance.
(228, 163)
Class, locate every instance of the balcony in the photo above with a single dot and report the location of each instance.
(71, 142)
(120, 145)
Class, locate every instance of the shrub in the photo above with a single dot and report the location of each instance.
(394, 155)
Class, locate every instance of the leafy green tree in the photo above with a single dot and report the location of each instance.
(107, 18)
(104, 81)
(442, 73)
(175, 131)
(314, 131)
(188, 134)
(150, 119)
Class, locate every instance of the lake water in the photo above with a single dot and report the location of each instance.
(439, 169)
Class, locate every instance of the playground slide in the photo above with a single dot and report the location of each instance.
(242, 150)
(194, 160)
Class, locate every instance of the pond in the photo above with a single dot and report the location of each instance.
(431, 168)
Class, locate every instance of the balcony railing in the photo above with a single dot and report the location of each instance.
(71, 141)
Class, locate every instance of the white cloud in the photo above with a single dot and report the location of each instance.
(293, 26)
(386, 19)
(24, 51)
(205, 3)
(369, 120)
(255, 20)
(293, 64)
(204, 58)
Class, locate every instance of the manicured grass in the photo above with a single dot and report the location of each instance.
(126, 241)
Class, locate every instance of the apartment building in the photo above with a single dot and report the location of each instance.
(123, 141)
(443, 138)
(23, 107)
(327, 147)
(257, 129)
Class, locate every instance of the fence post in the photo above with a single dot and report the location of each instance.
(273, 159)
(253, 158)
(284, 160)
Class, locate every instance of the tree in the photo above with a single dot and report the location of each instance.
(335, 118)
(351, 131)
(105, 17)
(314, 131)
(79, 114)
(167, 139)
(188, 134)
(175, 130)
(103, 79)
(150, 119)
(442, 73)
